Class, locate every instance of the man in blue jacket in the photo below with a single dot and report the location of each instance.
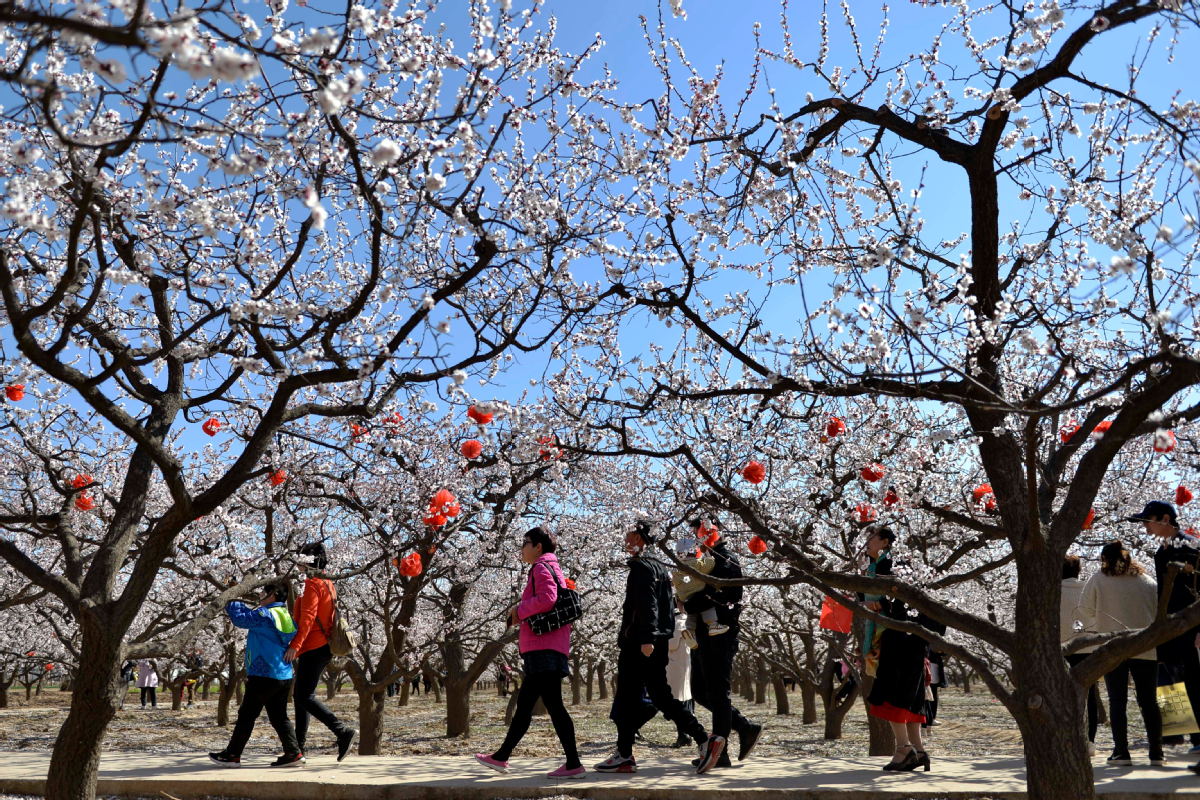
(270, 631)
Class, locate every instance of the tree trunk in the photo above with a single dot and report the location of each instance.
(808, 701)
(204, 688)
(881, 742)
(4, 695)
(405, 686)
(600, 668)
(835, 709)
(370, 721)
(238, 691)
(576, 683)
(511, 708)
(176, 695)
(782, 703)
(75, 762)
(458, 708)
(224, 695)
(591, 673)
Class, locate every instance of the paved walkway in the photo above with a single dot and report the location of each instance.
(445, 778)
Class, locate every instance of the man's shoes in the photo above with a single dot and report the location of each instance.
(1157, 759)
(709, 756)
(617, 763)
(723, 761)
(289, 760)
(747, 739)
(682, 740)
(1119, 760)
(716, 629)
(344, 740)
(494, 763)
(224, 759)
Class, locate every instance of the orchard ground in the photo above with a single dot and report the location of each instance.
(974, 729)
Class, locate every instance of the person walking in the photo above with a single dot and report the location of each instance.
(1068, 615)
(546, 657)
(268, 677)
(147, 681)
(309, 651)
(712, 663)
(1121, 597)
(647, 623)
(1161, 521)
(898, 692)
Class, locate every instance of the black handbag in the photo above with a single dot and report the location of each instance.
(567, 609)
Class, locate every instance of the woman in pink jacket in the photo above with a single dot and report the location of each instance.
(544, 656)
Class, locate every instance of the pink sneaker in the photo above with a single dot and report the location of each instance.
(565, 772)
(488, 761)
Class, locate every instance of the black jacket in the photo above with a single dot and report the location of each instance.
(726, 599)
(1184, 591)
(648, 612)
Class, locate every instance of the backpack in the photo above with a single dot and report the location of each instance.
(342, 640)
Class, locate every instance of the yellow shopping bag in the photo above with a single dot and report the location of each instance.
(1176, 709)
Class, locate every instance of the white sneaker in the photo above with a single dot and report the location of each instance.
(716, 629)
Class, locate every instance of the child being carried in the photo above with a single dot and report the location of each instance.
(686, 586)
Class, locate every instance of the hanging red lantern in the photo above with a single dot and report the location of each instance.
(891, 498)
(278, 477)
(1068, 431)
(211, 426)
(84, 502)
(49, 667)
(410, 565)
(357, 431)
(471, 448)
(81, 480)
(754, 472)
(435, 520)
(570, 584)
(1089, 519)
(981, 491)
(756, 545)
(481, 417)
(445, 503)
(709, 533)
(872, 472)
(395, 420)
(866, 512)
(835, 427)
(550, 449)
(1101, 429)
(15, 392)
(1164, 441)
(990, 506)
(1183, 495)
(835, 616)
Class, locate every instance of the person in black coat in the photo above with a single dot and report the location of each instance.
(898, 692)
(712, 661)
(647, 624)
(1179, 654)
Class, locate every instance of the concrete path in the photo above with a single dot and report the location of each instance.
(441, 777)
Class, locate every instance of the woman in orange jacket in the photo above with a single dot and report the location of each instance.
(310, 649)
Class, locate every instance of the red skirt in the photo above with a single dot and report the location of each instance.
(895, 714)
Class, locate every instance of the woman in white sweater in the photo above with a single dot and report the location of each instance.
(1122, 597)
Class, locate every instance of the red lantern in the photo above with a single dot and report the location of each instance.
(835, 427)
(471, 448)
(891, 498)
(1068, 431)
(866, 512)
(445, 503)
(1164, 441)
(15, 392)
(395, 420)
(84, 502)
(570, 584)
(835, 616)
(549, 449)
(357, 431)
(410, 565)
(981, 491)
(757, 545)
(1101, 429)
(872, 472)
(1089, 519)
(31, 653)
(81, 480)
(435, 520)
(990, 506)
(211, 426)
(481, 417)
(278, 477)
(754, 472)
(49, 667)
(1183, 495)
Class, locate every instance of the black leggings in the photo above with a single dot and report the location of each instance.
(548, 687)
(309, 666)
(1145, 675)
(151, 694)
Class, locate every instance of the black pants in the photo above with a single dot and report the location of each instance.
(637, 673)
(309, 666)
(712, 666)
(271, 694)
(546, 686)
(1093, 699)
(1145, 680)
(151, 694)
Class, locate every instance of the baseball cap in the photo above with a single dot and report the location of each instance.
(1155, 509)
